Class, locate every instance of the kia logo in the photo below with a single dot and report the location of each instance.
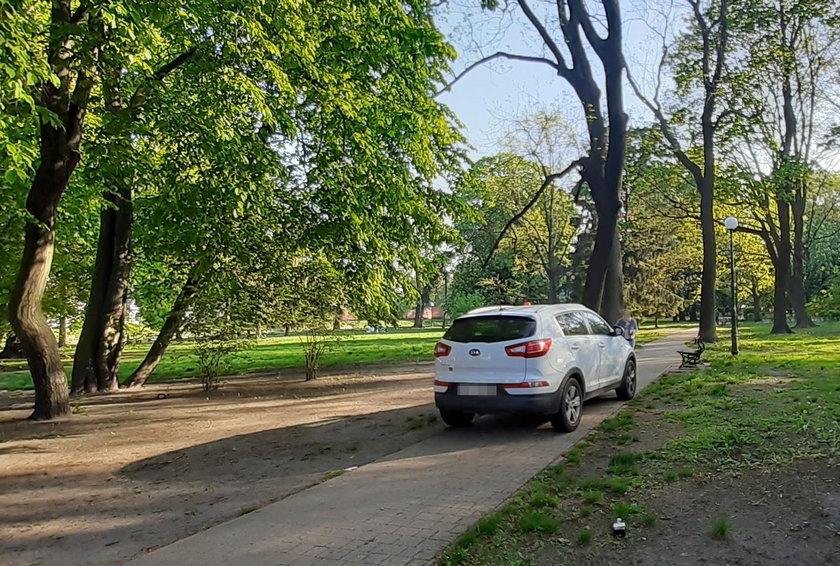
(475, 352)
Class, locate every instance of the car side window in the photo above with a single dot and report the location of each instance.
(572, 324)
(597, 324)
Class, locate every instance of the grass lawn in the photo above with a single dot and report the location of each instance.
(724, 464)
(354, 350)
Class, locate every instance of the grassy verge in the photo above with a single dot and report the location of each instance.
(354, 350)
(773, 410)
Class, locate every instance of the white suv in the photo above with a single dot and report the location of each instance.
(541, 359)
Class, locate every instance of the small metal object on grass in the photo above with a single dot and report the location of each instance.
(619, 529)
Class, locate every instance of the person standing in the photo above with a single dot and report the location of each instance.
(628, 324)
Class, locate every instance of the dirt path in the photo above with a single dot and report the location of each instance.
(137, 470)
(406, 508)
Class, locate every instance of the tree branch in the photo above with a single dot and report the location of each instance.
(580, 15)
(549, 179)
(665, 128)
(723, 43)
(80, 13)
(547, 39)
(140, 94)
(497, 55)
(161, 73)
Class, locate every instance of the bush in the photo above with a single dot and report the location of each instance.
(316, 343)
(461, 304)
(139, 332)
(827, 303)
(214, 352)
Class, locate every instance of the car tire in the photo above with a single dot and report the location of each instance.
(627, 389)
(571, 407)
(457, 419)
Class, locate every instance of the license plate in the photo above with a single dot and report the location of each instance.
(476, 389)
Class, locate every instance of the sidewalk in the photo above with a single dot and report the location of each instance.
(406, 508)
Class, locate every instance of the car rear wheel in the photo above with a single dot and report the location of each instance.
(571, 407)
(627, 389)
(457, 418)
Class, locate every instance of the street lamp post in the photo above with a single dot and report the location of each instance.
(731, 224)
(445, 295)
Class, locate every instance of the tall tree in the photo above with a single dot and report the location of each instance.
(698, 58)
(72, 52)
(360, 149)
(791, 47)
(659, 230)
(570, 34)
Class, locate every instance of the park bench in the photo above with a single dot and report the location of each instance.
(692, 358)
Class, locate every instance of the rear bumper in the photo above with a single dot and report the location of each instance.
(502, 402)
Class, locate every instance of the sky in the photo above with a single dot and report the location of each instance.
(501, 90)
(497, 92)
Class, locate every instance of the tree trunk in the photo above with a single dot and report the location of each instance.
(708, 281)
(84, 366)
(756, 298)
(781, 275)
(12, 347)
(52, 396)
(113, 334)
(798, 299)
(59, 158)
(102, 340)
(780, 281)
(602, 253)
(612, 302)
(425, 293)
(418, 314)
(553, 278)
(62, 330)
(169, 329)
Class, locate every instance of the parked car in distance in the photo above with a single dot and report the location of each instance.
(533, 359)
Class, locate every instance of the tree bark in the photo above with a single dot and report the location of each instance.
(167, 332)
(62, 330)
(781, 275)
(708, 280)
(798, 298)
(102, 340)
(599, 262)
(84, 366)
(11, 348)
(756, 298)
(52, 396)
(553, 273)
(612, 304)
(425, 293)
(112, 333)
(67, 98)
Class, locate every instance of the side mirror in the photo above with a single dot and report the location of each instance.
(618, 331)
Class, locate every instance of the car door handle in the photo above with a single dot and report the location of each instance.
(575, 347)
(602, 346)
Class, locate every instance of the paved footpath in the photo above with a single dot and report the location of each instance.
(406, 508)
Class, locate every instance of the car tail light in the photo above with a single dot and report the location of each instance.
(532, 349)
(525, 385)
(442, 350)
(442, 383)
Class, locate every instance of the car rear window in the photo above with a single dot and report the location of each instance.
(491, 329)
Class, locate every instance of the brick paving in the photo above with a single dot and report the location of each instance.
(406, 508)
